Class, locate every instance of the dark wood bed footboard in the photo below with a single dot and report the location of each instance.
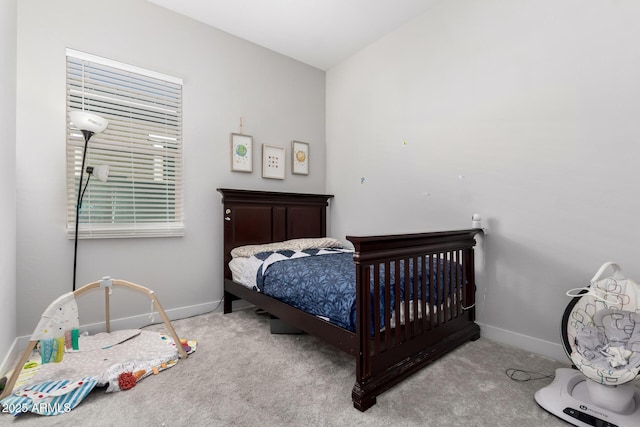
(430, 313)
(425, 283)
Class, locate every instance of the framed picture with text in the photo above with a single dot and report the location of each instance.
(273, 160)
(241, 153)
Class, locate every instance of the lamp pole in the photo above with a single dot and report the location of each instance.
(87, 136)
(89, 124)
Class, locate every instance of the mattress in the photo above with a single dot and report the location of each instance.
(321, 282)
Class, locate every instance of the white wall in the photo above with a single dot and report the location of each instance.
(7, 179)
(224, 78)
(525, 112)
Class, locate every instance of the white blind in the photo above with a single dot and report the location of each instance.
(142, 146)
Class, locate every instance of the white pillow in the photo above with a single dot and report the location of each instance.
(292, 245)
(236, 265)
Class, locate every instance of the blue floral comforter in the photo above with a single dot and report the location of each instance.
(322, 282)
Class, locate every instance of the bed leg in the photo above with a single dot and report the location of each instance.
(476, 336)
(228, 303)
(361, 400)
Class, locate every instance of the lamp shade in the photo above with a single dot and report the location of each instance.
(100, 172)
(85, 120)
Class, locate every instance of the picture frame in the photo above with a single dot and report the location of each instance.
(241, 152)
(299, 158)
(273, 162)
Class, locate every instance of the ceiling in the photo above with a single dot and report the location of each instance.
(320, 33)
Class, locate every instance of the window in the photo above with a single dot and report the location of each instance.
(142, 147)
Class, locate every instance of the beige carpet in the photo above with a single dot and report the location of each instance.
(241, 374)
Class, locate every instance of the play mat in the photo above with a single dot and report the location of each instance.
(61, 365)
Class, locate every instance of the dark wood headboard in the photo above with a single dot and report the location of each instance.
(256, 217)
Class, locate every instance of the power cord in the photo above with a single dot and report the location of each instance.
(522, 376)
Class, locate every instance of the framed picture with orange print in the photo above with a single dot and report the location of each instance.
(299, 158)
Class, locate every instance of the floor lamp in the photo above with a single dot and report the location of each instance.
(89, 124)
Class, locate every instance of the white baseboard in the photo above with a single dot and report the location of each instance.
(133, 322)
(534, 345)
(544, 348)
(141, 320)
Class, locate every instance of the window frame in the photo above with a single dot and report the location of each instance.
(153, 172)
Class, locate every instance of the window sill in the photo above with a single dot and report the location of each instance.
(120, 231)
